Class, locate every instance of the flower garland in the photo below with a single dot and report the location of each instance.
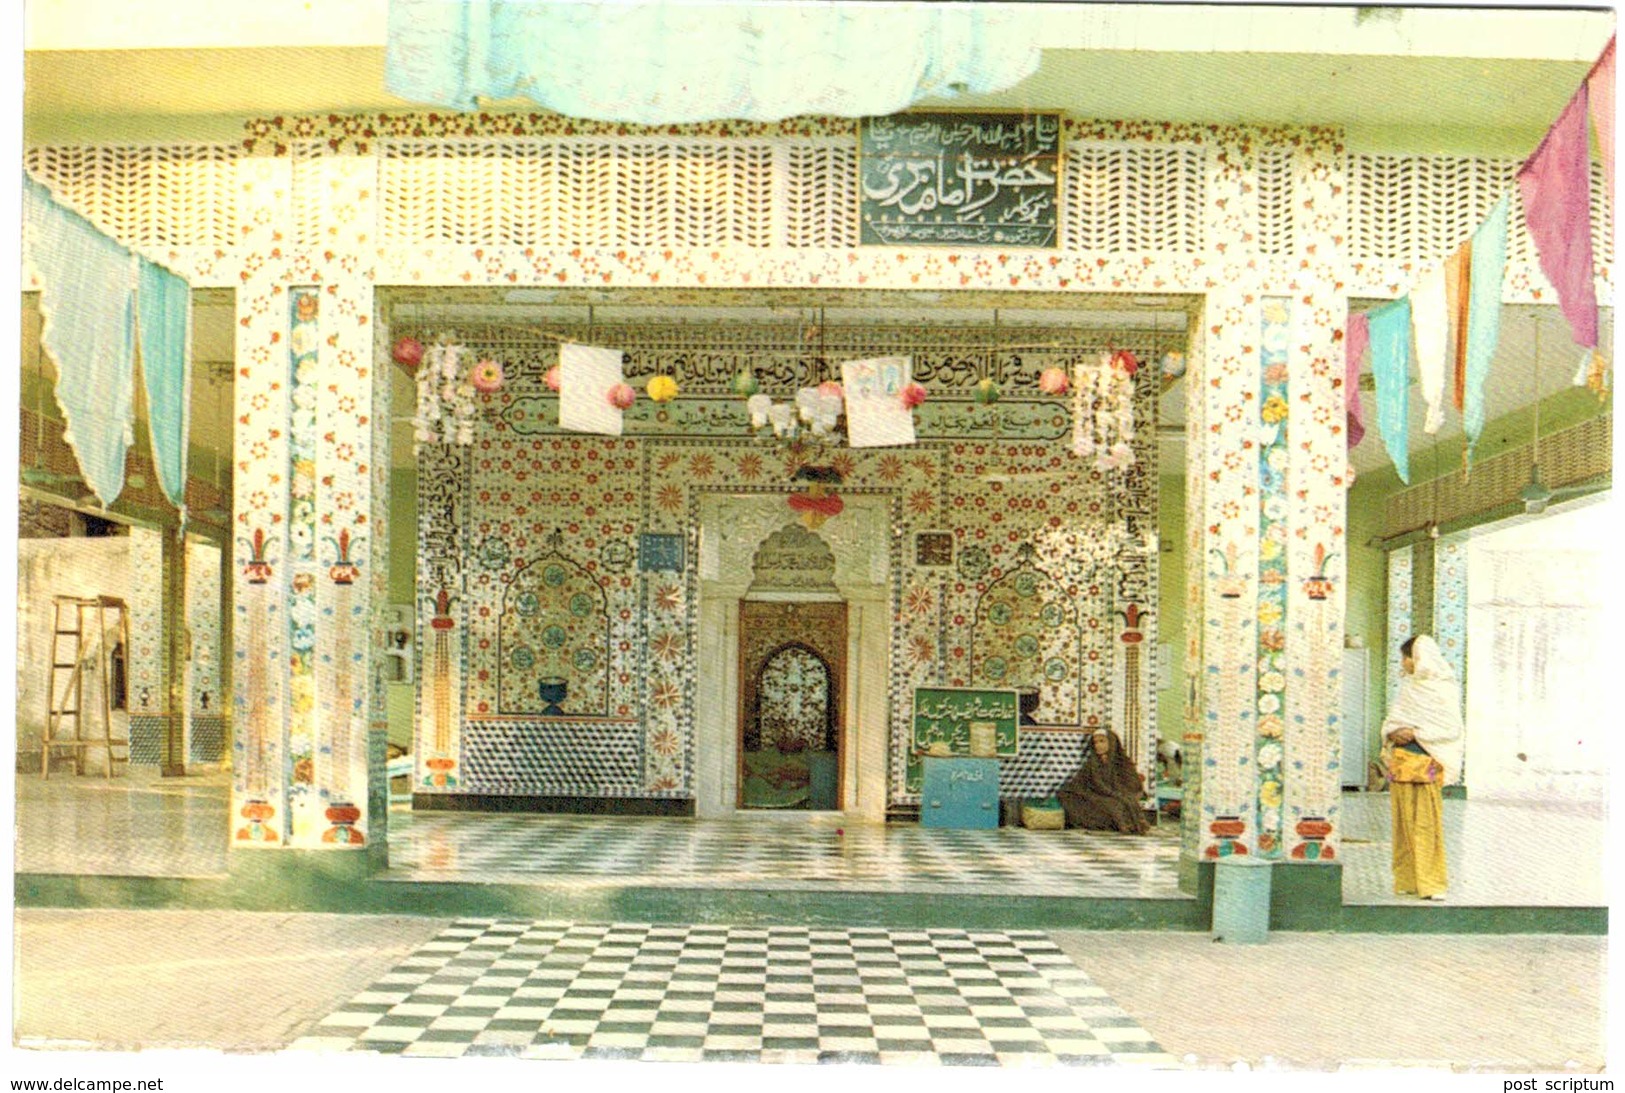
(1103, 410)
(445, 398)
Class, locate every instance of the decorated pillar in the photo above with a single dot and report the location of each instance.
(261, 498)
(307, 496)
(1318, 478)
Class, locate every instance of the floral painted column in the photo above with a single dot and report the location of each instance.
(307, 496)
(1222, 513)
(262, 767)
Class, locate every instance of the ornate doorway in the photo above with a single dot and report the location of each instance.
(792, 673)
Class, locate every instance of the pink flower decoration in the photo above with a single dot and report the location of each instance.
(553, 378)
(1053, 381)
(830, 389)
(408, 351)
(622, 396)
(912, 394)
(486, 376)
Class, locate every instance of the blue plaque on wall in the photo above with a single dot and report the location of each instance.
(658, 552)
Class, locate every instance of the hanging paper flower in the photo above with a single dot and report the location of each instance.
(554, 378)
(987, 392)
(1173, 364)
(1053, 381)
(622, 396)
(745, 383)
(662, 388)
(912, 394)
(486, 376)
(408, 351)
(1125, 362)
(830, 389)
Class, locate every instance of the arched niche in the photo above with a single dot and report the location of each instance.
(1026, 637)
(795, 703)
(555, 627)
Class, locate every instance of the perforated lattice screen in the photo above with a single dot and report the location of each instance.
(1275, 219)
(761, 192)
(147, 195)
(1423, 207)
(1130, 198)
(1577, 454)
(586, 192)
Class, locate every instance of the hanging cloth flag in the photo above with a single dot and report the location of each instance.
(86, 280)
(1391, 363)
(1489, 260)
(1431, 317)
(1555, 184)
(163, 326)
(1600, 90)
(1359, 338)
(1458, 278)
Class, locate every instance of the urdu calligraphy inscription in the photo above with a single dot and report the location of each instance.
(960, 179)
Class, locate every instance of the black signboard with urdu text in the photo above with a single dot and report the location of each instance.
(943, 178)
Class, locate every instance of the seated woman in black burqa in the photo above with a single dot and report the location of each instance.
(1104, 795)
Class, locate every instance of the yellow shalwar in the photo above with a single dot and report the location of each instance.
(1418, 814)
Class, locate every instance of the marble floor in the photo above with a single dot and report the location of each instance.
(781, 852)
(1501, 852)
(137, 824)
(192, 991)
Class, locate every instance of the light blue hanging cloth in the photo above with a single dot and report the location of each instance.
(1391, 364)
(164, 319)
(1489, 259)
(86, 280)
(663, 62)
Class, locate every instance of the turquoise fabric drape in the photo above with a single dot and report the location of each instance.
(164, 310)
(86, 284)
(1489, 258)
(654, 62)
(1391, 364)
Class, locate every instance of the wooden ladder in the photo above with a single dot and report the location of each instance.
(87, 642)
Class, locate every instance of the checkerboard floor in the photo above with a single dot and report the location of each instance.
(752, 852)
(723, 993)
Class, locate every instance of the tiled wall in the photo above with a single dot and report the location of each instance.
(532, 564)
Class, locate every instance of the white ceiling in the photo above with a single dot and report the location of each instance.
(1507, 390)
(1426, 77)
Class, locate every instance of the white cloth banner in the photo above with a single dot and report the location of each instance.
(1430, 316)
(586, 373)
(875, 414)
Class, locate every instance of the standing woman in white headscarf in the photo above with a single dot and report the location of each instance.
(1423, 737)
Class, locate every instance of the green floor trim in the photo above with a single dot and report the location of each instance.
(1588, 921)
(281, 883)
(296, 890)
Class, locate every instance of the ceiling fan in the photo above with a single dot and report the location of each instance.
(1536, 495)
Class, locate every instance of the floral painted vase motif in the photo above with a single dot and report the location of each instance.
(258, 570)
(343, 816)
(1313, 830)
(343, 571)
(257, 830)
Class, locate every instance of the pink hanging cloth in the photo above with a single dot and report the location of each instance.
(1555, 184)
(1600, 90)
(1359, 338)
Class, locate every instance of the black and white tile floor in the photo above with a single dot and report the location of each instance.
(680, 993)
(582, 851)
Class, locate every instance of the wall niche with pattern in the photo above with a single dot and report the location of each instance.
(1026, 638)
(553, 639)
(539, 536)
